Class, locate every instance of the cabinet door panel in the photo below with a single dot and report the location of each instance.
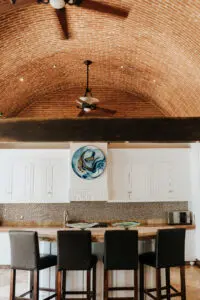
(140, 182)
(22, 181)
(58, 180)
(6, 180)
(51, 181)
(119, 177)
(161, 181)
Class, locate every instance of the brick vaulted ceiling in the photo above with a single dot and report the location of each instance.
(145, 65)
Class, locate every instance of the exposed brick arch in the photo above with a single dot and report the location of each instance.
(148, 61)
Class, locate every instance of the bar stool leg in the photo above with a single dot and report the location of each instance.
(36, 285)
(94, 282)
(31, 284)
(58, 285)
(136, 284)
(63, 284)
(167, 275)
(183, 286)
(88, 285)
(105, 285)
(158, 283)
(141, 281)
(12, 283)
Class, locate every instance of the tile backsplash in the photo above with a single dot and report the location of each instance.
(52, 214)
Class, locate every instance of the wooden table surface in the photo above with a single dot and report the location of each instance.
(144, 232)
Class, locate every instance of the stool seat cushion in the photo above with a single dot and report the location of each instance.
(47, 261)
(148, 258)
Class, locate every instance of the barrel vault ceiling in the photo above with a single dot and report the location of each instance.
(146, 64)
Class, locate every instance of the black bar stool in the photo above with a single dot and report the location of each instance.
(169, 252)
(121, 253)
(75, 253)
(25, 256)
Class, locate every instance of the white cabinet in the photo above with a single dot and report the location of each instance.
(140, 182)
(190, 245)
(5, 181)
(170, 180)
(119, 176)
(34, 176)
(4, 249)
(22, 180)
(140, 175)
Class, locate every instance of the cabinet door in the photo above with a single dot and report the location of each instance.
(162, 183)
(190, 246)
(22, 180)
(119, 177)
(51, 180)
(140, 182)
(170, 175)
(57, 184)
(6, 180)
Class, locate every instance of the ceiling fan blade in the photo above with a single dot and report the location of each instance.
(104, 8)
(82, 113)
(106, 110)
(61, 14)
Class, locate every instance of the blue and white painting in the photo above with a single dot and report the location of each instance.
(88, 162)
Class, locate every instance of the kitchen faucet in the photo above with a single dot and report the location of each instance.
(65, 218)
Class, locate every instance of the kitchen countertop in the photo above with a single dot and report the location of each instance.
(144, 231)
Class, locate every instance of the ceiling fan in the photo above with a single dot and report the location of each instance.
(87, 103)
(59, 6)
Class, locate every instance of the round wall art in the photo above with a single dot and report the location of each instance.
(88, 162)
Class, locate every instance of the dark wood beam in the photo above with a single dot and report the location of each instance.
(135, 130)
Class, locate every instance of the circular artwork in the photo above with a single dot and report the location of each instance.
(88, 162)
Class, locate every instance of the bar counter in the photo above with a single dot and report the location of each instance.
(144, 231)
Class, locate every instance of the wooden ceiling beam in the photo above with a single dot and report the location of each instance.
(133, 130)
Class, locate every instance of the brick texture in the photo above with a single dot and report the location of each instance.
(147, 62)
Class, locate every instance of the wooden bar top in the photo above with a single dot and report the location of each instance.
(144, 232)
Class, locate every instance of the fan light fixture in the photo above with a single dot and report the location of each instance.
(57, 4)
(87, 102)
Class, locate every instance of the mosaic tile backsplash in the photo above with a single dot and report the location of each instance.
(52, 214)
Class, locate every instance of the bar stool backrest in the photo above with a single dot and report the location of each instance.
(170, 248)
(24, 249)
(121, 250)
(74, 250)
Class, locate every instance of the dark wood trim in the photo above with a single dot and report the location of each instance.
(133, 130)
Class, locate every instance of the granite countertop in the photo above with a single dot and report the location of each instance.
(144, 231)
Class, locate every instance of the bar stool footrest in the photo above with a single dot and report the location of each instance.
(24, 294)
(149, 292)
(75, 298)
(121, 288)
(121, 298)
(47, 290)
(78, 293)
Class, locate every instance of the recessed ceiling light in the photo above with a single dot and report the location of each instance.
(21, 79)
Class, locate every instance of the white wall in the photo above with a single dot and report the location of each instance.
(194, 203)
